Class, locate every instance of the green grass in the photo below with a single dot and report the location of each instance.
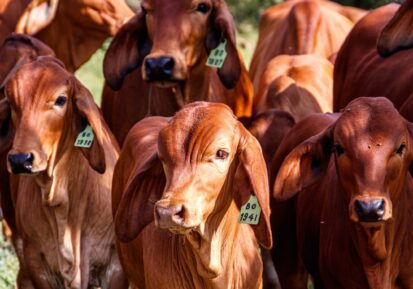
(8, 264)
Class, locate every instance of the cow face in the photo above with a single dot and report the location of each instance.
(170, 39)
(211, 164)
(371, 144)
(48, 108)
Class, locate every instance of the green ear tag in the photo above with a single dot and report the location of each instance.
(250, 212)
(217, 56)
(85, 138)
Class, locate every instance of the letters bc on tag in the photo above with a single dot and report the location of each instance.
(217, 56)
(85, 138)
(250, 213)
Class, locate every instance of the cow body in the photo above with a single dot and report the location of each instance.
(301, 27)
(61, 193)
(81, 25)
(299, 84)
(206, 247)
(358, 159)
(157, 63)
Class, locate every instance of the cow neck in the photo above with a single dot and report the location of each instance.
(221, 254)
(382, 243)
(197, 87)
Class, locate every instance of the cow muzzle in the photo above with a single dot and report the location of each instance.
(159, 69)
(370, 210)
(21, 163)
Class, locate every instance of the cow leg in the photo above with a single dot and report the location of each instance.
(23, 281)
(35, 268)
(270, 277)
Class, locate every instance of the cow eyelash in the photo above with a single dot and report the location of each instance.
(401, 149)
(339, 149)
(203, 8)
(60, 101)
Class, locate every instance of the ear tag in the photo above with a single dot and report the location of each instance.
(85, 138)
(250, 213)
(217, 56)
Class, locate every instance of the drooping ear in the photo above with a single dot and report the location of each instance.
(398, 33)
(37, 15)
(251, 178)
(6, 131)
(134, 202)
(304, 165)
(89, 113)
(126, 51)
(223, 28)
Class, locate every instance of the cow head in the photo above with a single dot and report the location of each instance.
(47, 108)
(371, 147)
(86, 24)
(207, 165)
(169, 38)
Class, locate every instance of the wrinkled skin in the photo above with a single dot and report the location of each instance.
(361, 157)
(184, 33)
(82, 25)
(204, 162)
(63, 217)
(301, 27)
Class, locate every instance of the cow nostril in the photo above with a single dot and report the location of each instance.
(168, 64)
(370, 211)
(179, 213)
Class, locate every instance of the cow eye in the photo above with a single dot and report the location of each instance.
(203, 8)
(339, 149)
(60, 101)
(401, 149)
(221, 155)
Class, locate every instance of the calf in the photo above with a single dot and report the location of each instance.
(61, 193)
(157, 63)
(177, 192)
(354, 198)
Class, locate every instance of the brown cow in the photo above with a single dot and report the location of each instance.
(74, 29)
(177, 192)
(301, 27)
(61, 193)
(361, 71)
(157, 63)
(354, 197)
(298, 84)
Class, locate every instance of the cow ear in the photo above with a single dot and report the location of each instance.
(6, 133)
(223, 28)
(304, 165)
(37, 15)
(397, 34)
(126, 51)
(134, 198)
(251, 178)
(90, 114)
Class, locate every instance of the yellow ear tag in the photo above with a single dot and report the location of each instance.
(250, 212)
(217, 56)
(85, 138)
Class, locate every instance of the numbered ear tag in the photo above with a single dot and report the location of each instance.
(85, 138)
(217, 56)
(250, 212)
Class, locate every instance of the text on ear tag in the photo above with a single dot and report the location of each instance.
(217, 56)
(85, 138)
(250, 212)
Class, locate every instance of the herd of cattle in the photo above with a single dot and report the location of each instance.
(171, 185)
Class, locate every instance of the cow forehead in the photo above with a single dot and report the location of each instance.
(372, 121)
(37, 79)
(197, 127)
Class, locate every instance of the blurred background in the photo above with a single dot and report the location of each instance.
(246, 14)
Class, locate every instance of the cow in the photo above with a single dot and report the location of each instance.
(177, 191)
(60, 192)
(354, 187)
(301, 27)
(297, 84)
(156, 63)
(74, 29)
(361, 70)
